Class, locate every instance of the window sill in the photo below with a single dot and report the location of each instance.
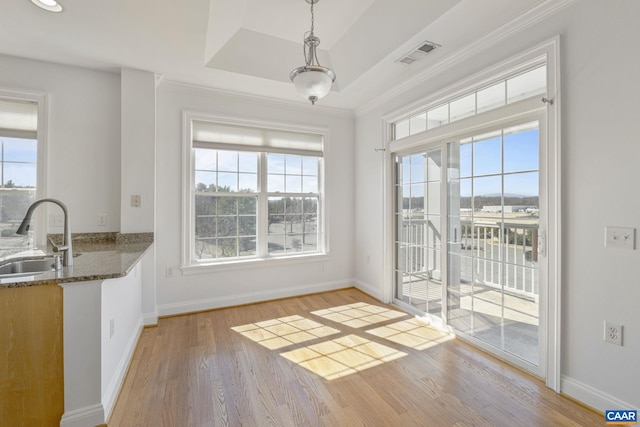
(215, 267)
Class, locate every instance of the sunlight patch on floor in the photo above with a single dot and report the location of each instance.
(359, 314)
(342, 356)
(285, 331)
(411, 333)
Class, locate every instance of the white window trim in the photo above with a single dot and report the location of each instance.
(42, 100)
(188, 226)
(550, 52)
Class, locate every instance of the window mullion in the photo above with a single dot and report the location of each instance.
(263, 207)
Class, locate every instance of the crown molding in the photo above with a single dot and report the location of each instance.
(267, 101)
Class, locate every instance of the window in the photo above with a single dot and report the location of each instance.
(18, 169)
(518, 86)
(254, 193)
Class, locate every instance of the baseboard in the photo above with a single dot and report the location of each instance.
(590, 396)
(113, 390)
(150, 319)
(249, 298)
(368, 289)
(83, 417)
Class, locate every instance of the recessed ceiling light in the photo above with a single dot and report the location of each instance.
(49, 5)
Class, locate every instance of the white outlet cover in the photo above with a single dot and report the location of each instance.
(613, 333)
(620, 237)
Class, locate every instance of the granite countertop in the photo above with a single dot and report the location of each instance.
(97, 256)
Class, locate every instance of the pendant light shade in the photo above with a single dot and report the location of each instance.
(312, 80)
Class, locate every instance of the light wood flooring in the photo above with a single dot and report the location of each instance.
(333, 359)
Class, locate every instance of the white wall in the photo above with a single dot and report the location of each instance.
(600, 151)
(138, 150)
(183, 293)
(121, 304)
(84, 137)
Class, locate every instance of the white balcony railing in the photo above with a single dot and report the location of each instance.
(494, 254)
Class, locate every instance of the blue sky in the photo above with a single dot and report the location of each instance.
(482, 165)
(19, 157)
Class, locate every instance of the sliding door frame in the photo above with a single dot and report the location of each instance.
(549, 107)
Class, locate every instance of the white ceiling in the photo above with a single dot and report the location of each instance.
(250, 46)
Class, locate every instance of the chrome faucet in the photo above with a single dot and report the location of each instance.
(65, 248)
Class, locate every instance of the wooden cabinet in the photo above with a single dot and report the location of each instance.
(31, 356)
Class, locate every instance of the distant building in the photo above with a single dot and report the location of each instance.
(509, 209)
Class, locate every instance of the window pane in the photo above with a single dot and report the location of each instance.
(248, 182)
(521, 151)
(465, 160)
(205, 205)
(205, 181)
(294, 184)
(487, 191)
(491, 97)
(310, 166)
(417, 168)
(205, 159)
(418, 123)
(227, 226)
(276, 205)
(309, 184)
(20, 150)
(275, 163)
(227, 205)
(433, 165)
(524, 185)
(310, 205)
(487, 156)
(438, 116)
(248, 162)
(205, 227)
(406, 170)
(227, 248)
(247, 246)
(227, 182)
(463, 107)
(247, 226)
(525, 85)
(228, 161)
(247, 206)
(293, 205)
(275, 183)
(401, 129)
(19, 175)
(293, 165)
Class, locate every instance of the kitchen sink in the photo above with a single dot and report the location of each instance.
(26, 267)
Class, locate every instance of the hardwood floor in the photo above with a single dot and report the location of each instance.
(332, 359)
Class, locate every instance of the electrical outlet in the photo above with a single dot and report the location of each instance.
(612, 333)
(112, 327)
(168, 272)
(136, 201)
(102, 219)
(56, 220)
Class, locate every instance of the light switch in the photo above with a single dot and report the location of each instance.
(620, 237)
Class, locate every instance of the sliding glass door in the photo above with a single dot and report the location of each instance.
(494, 211)
(418, 218)
(486, 265)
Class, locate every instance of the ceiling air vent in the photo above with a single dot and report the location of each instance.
(417, 53)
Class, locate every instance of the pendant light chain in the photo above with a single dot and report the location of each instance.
(312, 17)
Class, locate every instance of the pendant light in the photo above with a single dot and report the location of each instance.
(312, 80)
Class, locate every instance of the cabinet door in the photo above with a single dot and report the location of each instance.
(31, 372)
